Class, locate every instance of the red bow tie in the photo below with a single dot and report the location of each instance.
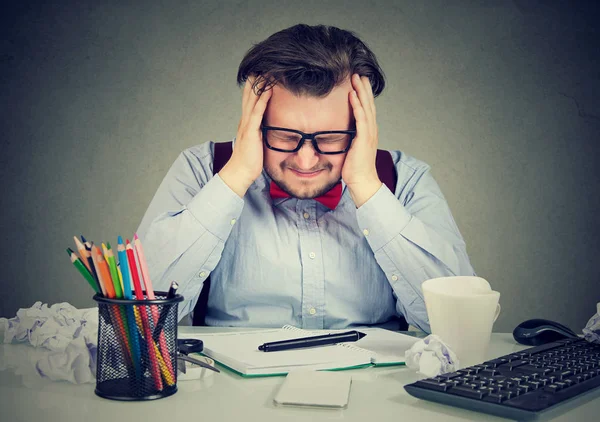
(329, 199)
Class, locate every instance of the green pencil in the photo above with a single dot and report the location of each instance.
(83, 270)
(112, 266)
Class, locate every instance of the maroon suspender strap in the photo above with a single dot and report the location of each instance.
(385, 170)
(223, 152)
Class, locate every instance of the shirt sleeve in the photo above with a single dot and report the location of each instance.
(186, 225)
(414, 238)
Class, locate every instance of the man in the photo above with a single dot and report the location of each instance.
(276, 259)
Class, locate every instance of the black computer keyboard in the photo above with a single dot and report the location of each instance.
(537, 382)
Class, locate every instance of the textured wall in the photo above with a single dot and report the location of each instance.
(499, 97)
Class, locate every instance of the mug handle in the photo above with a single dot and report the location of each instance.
(498, 308)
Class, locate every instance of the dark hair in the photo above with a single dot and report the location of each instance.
(310, 60)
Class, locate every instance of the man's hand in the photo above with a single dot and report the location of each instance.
(359, 171)
(246, 162)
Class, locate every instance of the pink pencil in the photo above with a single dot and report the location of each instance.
(150, 293)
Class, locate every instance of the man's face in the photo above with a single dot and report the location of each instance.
(307, 174)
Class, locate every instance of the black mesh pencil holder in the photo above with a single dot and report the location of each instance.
(137, 347)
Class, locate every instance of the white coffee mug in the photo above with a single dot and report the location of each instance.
(462, 311)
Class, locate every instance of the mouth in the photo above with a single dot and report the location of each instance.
(306, 174)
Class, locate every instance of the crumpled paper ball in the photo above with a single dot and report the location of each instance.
(591, 332)
(67, 335)
(431, 357)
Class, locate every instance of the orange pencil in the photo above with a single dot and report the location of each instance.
(115, 316)
(101, 281)
(103, 272)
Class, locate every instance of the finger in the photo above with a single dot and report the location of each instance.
(361, 91)
(249, 100)
(259, 109)
(359, 114)
(369, 92)
(245, 95)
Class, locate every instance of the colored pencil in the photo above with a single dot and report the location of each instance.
(83, 253)
(108, 291)
(154, 369)
(83, 270)
(97, 270)
(124, 268)
(103, 272)
(112, 266)
(88, 253)
(150, 293)
(124, 276)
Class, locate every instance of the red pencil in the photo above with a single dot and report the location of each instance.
(139, 295)
(162, 341)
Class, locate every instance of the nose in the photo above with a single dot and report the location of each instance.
(307, 157)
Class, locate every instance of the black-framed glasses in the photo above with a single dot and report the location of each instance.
(290, 140)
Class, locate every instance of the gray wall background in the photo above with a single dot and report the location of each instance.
(501, 98)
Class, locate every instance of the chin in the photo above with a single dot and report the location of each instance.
(305, 190)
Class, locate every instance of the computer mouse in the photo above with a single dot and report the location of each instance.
(534, 332)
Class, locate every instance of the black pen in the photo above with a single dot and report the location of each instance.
(323, 340)
(165, 311)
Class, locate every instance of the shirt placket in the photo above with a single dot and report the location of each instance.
(313, 286)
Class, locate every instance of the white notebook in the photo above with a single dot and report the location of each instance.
(325, 389)
(239, 350)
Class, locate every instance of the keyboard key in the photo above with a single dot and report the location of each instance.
(552, 388)
(468, 392)
(451, 375)
(516, 380)
(543, 381)
(432, 385)
(495, 362)
(497, 397)
(514, 391)
(529, 369)
(513, 357)
(513, 364)
(564, 374)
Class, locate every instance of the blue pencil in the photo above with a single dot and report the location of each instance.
(133, 332)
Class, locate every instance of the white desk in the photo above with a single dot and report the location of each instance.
(376, 395)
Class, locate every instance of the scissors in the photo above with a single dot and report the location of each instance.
(190, 345)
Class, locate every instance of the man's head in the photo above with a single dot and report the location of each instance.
(308, 68)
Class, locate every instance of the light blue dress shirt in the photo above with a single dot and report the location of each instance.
(292, 261)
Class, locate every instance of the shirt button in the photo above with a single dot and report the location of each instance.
(232, 222)
(366, 232)
(202, 274)
(312, 255)
(394, 277)
(312, 311)
(306, 215)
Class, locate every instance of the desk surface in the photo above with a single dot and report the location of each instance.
(376, 394)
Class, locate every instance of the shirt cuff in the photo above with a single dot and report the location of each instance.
(382, 218)
(216, 207)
